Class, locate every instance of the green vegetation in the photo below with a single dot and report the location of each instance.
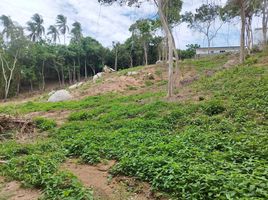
(210, 149)
(44, 124)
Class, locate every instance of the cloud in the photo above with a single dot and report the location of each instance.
(110, 23)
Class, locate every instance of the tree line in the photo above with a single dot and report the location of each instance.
(32, 56)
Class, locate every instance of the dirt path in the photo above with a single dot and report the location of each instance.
(60, 116)
(13, 191)
(105, 188)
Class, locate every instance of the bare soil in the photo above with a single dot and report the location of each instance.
(60, 116)
(13, 191)
(104, 186)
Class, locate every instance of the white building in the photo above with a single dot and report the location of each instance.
(258, 36)
(216, 50)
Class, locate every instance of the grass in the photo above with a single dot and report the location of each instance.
(212, 149)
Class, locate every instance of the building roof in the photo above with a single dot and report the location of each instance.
(227, 47)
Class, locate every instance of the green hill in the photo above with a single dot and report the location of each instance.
(208, 142)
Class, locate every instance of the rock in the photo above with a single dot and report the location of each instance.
(159, 62)
(107, 69)
(132, 73)
(76, 85)
(97, 76)
(60, 95)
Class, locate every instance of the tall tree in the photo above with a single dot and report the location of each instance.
(9, 56)
(116, 50)
(53, 31)
(264, 20)
(76, 32)
(36, 28)
(143, 28)
(206, 21)
(162, 7)
(62, 26)
(8, 26)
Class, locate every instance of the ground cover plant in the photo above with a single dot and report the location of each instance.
(215, 148)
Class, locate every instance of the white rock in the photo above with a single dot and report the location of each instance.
(159, 62)
(107, 69)
(76, 85)
(60, 95)
(132, 73)
(97, 76)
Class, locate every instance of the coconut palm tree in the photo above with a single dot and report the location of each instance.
(36, 28)
(53, 31)
(76, 31)
(8, 26)
(62, 25)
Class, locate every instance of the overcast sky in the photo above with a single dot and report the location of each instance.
(111, 23)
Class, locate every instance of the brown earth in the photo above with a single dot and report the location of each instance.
(60, 116)
(13, 191)
(104, 186)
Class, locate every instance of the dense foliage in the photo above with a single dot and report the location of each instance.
(31, 61)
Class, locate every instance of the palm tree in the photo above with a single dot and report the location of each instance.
(36, 28)
(53, 31)
(62, 25)
(8, 26)
(76, 31)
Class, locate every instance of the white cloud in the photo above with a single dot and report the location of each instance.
(107, 23)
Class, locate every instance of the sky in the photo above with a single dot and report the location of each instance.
(111, 23)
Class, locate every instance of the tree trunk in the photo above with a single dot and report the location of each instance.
(93, 70)
(264, 22)
(85, 68)
(249, 34)
(131, 60)
(70, 76)
(79, 72)
(31, 85)
(43, 76)
(242, 37)
(170, 47)
(116, 59)
(62, 76)
(74, 73)
(145, 53)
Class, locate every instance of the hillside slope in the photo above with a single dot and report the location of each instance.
(208, 142)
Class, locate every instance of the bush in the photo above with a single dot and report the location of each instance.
(44, 124)
(80, 116)
(213, 108)
(251, 60)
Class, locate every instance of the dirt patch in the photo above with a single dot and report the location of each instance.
(60, 116)
(98, 178)
(111, 83)
(14, 191)
(16, 128)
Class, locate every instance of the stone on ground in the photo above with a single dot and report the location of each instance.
(60, 95)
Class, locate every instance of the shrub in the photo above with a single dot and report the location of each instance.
(44, 124)
(80, 116)
(213, 108)
(251, 61)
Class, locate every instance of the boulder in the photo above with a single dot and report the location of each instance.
(97, 76)
(159, 62)
(107, 69)
(132, 73)
(60, 95)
